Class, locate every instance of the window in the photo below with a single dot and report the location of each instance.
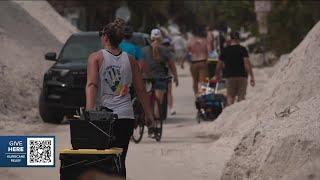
(78, 48)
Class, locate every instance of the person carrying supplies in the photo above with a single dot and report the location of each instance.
(110, 73)
(234, 59)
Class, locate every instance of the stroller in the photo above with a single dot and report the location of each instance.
(211, 100)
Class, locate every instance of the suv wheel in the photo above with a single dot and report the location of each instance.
(49, 115)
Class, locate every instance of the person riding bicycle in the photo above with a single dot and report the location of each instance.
(110, 73)
(159, 59)
(167, 42)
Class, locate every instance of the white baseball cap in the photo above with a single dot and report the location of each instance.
(155, 33)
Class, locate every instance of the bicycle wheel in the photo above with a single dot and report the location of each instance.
(198, 117)
(138, 132)
(139, 121)
(164, 107)
(159, 122)
(159, 130)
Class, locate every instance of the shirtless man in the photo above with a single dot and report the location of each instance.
(198, 47)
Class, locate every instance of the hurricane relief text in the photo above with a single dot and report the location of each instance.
(15, 147)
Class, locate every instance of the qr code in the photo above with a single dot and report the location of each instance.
(40, 151)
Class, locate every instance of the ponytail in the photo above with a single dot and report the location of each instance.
(155, 49)
(155, 53)
(114, 31)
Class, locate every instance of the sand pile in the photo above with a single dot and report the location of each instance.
(48, 17)
(23, 43)
(276, 132)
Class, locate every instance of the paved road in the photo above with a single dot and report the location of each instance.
(168, 159)
(185, 151)
(175, 157)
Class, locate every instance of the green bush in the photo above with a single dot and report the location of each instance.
(288, 22)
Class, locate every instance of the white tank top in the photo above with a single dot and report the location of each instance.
(114, 74)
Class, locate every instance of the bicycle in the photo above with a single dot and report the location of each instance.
(155, 103)
(139, 120)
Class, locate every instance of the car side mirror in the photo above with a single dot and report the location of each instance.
(51, 56)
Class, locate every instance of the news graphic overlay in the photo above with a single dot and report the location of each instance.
(27, 151)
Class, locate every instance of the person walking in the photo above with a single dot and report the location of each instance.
(128, 46)
(110, 73)
(234, 60)
(198, 48)
(180, 48)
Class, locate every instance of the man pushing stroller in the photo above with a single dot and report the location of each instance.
(234, 61)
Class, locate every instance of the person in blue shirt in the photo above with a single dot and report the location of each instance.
(128, 46)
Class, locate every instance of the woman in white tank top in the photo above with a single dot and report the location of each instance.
(110, 74)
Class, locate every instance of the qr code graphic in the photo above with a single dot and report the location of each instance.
(40, 151)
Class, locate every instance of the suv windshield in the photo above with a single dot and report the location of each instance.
(78, 48)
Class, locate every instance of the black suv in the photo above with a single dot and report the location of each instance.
(64, 83)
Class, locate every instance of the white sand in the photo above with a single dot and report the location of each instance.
(259, 145)
(49, 18)
(23, 43)
(246, 142)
